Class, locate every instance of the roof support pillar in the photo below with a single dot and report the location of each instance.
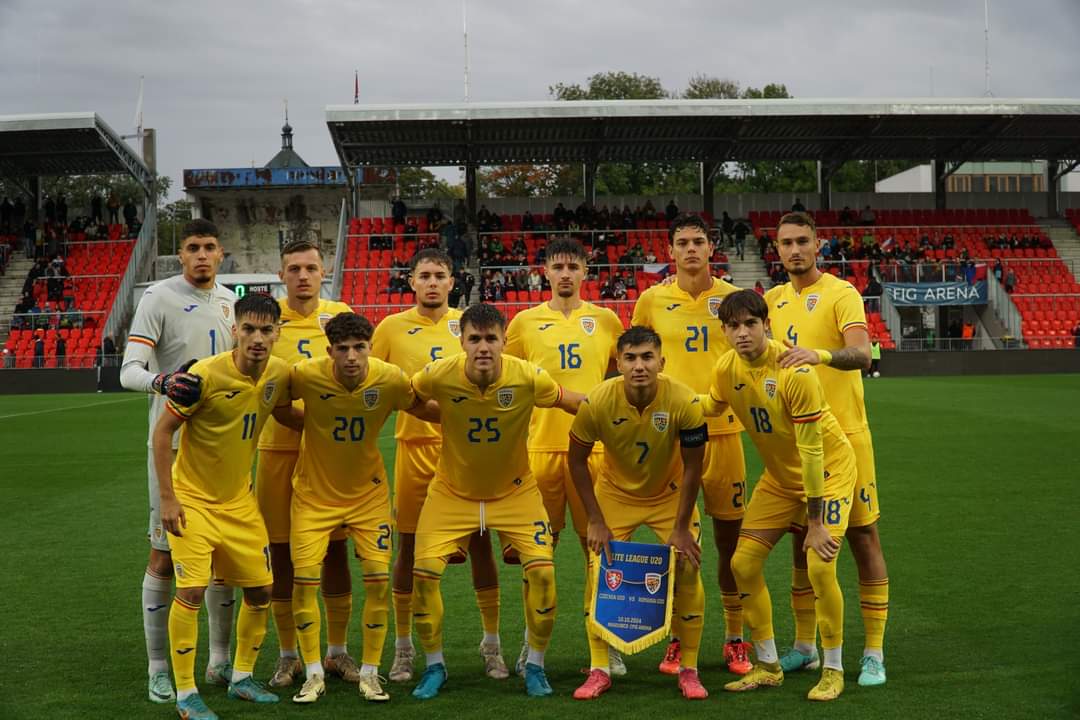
(941, 174)
(1053, 183)
(471, 190)
(825, 171)
(589, 189)
(33, 203)
(708, 188)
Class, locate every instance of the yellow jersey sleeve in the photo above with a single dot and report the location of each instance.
(803, 395)
(848, 309)
(515, 343)
(546, 392)
(583, 427)
(218, 440)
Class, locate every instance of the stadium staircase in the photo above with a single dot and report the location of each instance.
(745, 273)
(11, 285)
(1063, 233)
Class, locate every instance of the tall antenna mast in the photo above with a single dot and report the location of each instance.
(465, 30)
(986, 36)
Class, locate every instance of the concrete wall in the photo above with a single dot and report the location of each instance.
(254, 224)
(980, 362)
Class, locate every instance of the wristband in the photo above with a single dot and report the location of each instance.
(824, 357)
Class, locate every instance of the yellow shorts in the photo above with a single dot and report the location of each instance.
(414, 468)
(230, 539)
(723, 477)
(557, 487)
(865, 509)
(625, 513)
(773, 507)
(273, 490)
(447, 520)
(367, 523)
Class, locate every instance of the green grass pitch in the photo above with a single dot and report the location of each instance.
(978, 481)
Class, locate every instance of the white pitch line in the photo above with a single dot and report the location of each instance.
(69, 407)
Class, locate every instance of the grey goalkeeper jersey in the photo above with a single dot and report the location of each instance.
(174, 322)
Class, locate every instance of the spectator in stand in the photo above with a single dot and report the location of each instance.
(535, 283)
(727, 228)
(483, 217)
(18, 214)
(468, 281)
(454, 298)
(741, 230)
(607, 292)
(461, 216)
(411, 227)
(131, 213)
(7, 210)
(868, 216)
(847, 216)
(52, 240)
(54, 282)
(398, 211)
(61, 352)
(434, 216)
(527, 221)
(759, 288)
(30, 233)
(9, 359)
(25, 306)
(872, 294)
(797, 206)
(95, 207)
(458, 252)
(671, 210)
(999, 270)
(61, 209)
(113, 206)
(1010, 281)
(39, 349)
(619, 288)
(50, 209)
(37, 271)
(763, 243)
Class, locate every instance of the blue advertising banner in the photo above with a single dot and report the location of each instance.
(949, 293)
(632, 595)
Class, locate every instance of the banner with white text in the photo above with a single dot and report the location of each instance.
(949, 293)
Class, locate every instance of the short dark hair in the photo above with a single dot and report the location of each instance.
(432, 255)
(347, 325)
(570, 247)
(300, 245)
(482, 316)
(199, 227)
(800, 218)
(638, 335)
(257, 305)
(743, 302)
(687, 220)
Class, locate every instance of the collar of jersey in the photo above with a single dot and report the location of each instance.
(762, 359)
(676, 290)
(334, 378)
(626, 402)
(821, 278)
(473, 387)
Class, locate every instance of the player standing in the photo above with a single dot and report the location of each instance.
(206, 501)
(177, 321)
(824, 319)
(346, 399)
(575, 342)
(807, 484)
(303, 315)
(483, 483)
(648, 423)
(410, 340)
(684, 315)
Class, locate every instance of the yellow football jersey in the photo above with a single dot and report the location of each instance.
(817, 318)
(770, 401)
(411, 341)
(641, 450)
(692, 336)
(340, 460)
(575, 351)
(218, 439)
(484, 453)
(301, 337)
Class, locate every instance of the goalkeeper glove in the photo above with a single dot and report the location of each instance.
(180, 386)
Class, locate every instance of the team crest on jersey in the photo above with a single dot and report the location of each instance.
(323, 319)
(613, 579)
(770, 387)
(588, 324)
(652, 582)
(812, 301)
(454, 326)
(714, 306)
(226, 309)
(505, 397)
(371, 398)
(268, 392)
(660, 421)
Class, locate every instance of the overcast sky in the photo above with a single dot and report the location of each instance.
(217, 72)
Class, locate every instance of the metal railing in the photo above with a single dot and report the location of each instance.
(138, 265)
(891, 316)
(342, 248)
(51, 361)
(55, 319)
(1006, 311)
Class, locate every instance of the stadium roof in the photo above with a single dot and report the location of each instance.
(705, 130)
(65, 144)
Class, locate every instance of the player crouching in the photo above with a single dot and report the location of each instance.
(340, 482)
(207, 503)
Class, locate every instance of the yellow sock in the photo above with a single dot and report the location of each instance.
(747, 563)
(690, 612)
(402, 613)
(183, 638)
(306, 614)
(428, 612)
(802, 605)
(284, 623)
(251, 624)
(376, 611)
(829, 605)
(540, 608)
(338, 612)
(733, 617)
(874, 602)
(487, 599)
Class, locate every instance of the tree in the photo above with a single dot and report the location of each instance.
(861, 175)
(529, 180)
(616, 85)
(80, 188)
(705, 87)
(418, 182)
